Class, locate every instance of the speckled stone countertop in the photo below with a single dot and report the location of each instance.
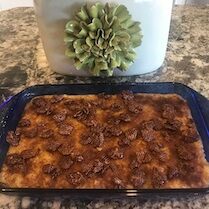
(23, 63)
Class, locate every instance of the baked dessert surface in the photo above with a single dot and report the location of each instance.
(106, 141)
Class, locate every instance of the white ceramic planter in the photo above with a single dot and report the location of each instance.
(154, 16)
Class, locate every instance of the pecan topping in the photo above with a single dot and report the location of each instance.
(118, 183)
(153, 124)
(141, 157)
(115, 153)
(125, 117)
(127, 95)
(15, 162)
(116, 107)
(60, 116)
(159, 178)
(42, 106)
(46, 133)
(185, 153)
(133, 107)
(56, 98)
(31, 133)
(65, 162)
(113, 120)
(12, 138)
(24, 122)
(112, 131)
(155, 147)
(138, 181)
(29, 153)
(163, 157)
(124, 141)
(98, 166)
(52, 170)
(168, 112)
(103, 96)
(65, 129)
(173, 172)
(148, 135)
(75, 178)
(76, 157)
(53, 146)
(131, 134)
(190, 136)
(95, 137)
(173, 125)
(66, 149)
(73, 105)
(88, 169)
(39, 102)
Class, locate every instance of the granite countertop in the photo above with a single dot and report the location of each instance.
(23, 63)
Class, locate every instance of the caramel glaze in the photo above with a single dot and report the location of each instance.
(106, 141)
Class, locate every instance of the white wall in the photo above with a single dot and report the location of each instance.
(7, 4)
(192, 1)
(180, 1)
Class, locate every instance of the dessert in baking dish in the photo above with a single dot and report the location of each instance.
(106, 141)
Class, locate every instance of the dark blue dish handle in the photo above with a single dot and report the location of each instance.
(11, 110)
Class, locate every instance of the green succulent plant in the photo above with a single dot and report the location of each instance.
(101, 38)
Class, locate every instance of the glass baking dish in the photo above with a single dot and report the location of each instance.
(12, 109)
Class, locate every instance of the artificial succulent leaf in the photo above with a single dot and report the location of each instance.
(78, 64)
(95, 9)
(118, 59)
(102, 37)
(109, 21)
(72, 26)
(121, 12)
(107, 8)
(99, 65)
(110, 72)
(79, 51)
(69, 39)
(95, 25)
(83, 56)
(78, 43)
(117, 47)
(112, 40)
(95, 51)
(70, 53)
(136, 41)
(83, 15)
(89, 42)
(107, 33)
(123, 35)
(82, 33)
(134, 28)
(86, 47)
(109, 50)
(100, 8)
(127, 23)
(100, 42)
(92, 34)
(124, 64)
(114, 63)
(105, 44)
(90, 62)
(122, 23)
(116, 25)
(130, 55)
